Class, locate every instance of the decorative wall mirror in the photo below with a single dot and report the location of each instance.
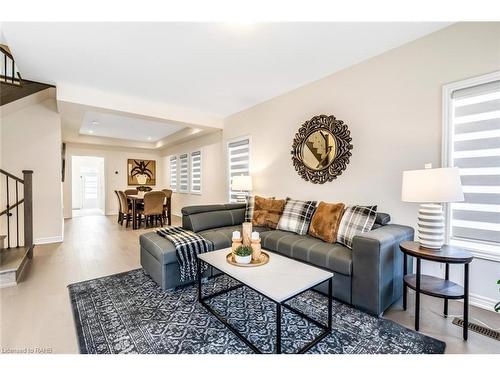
(321, 149)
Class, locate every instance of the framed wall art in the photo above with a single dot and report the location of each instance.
(141, 172)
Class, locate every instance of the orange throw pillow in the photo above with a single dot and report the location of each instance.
(326, 220)
(267, 212)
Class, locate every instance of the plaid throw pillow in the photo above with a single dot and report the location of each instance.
(356, 220)
(297, 216)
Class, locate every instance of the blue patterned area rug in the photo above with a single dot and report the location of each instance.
(129, 313)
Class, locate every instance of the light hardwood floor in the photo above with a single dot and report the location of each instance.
(36, 315)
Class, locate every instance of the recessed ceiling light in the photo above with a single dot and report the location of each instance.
(91, 131)
(95, 123)
(150, 138)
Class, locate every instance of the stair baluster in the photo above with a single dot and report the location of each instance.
(8, 212)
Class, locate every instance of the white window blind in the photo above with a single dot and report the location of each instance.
(196, 172)
(183, 173)
(474, 148)
(239, 163)
(173, 173)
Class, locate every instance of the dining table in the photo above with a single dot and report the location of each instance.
(136, 199)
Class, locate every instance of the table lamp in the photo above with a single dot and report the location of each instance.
(431, 187)
(242, 184)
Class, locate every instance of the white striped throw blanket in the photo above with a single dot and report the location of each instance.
(187, 245)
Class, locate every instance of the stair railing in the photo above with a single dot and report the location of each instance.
(8, 69)
(12, 181)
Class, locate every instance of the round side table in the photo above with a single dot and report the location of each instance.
(435, 286)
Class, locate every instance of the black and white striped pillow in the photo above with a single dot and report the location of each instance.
(297, 216)
(356, 220)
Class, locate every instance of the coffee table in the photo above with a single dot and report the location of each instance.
(280, 280)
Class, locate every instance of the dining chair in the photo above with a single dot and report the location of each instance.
(153, 207)
(126, 208)
(131, 192)
(167, 206)
(120, 214)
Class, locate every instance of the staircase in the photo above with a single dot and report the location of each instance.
(16, 246)
(12, 86)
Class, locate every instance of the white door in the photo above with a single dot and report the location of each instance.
(90, 190)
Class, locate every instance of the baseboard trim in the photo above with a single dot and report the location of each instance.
(47, 240)
(482, 302)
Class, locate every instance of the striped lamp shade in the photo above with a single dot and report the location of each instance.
(429, 187)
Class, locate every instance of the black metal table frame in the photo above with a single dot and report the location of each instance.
(326, 328)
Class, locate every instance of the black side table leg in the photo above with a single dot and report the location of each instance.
(417, 297)
(278, 328)
(405, 271)
(446, 277)
(466, 300)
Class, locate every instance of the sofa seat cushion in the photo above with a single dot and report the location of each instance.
(334, 257)
(222, 237)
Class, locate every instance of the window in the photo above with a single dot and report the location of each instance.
(173, 173)
(472, 143)
(238, 152)
(184, 173)
(196, 172)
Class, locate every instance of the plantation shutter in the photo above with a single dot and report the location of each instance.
(183, 178)
(196, 172)
(476, 152)
(173, 173)
(239, 163)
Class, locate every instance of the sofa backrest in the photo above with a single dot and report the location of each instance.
(198, 218)
(381, 220)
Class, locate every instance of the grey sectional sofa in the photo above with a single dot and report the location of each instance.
(369, 276)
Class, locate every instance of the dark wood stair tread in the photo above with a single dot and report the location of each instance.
(435, 286)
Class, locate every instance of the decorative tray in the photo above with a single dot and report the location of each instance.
(264, 258)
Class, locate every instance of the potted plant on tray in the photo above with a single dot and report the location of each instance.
(243, 254)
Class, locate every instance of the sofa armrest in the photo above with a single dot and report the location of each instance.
(377, 267)
(198, 218)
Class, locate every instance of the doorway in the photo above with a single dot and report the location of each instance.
(88, 198)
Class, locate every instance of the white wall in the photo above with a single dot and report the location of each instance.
(31, 139)
(213, 172)
(392, 105)
(115, 171)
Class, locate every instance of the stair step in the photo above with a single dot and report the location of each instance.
(12, 263)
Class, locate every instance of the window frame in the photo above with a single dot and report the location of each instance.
(478, 249)
(196, 192)
(228, 169)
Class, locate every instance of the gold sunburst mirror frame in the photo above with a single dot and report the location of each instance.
(321, 149)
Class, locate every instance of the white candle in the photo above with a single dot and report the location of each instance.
(236, 235)
(255, 235)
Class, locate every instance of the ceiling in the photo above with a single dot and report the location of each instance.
(216, 68)
(125, 127)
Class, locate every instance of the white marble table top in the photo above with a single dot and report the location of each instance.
(278, 280)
